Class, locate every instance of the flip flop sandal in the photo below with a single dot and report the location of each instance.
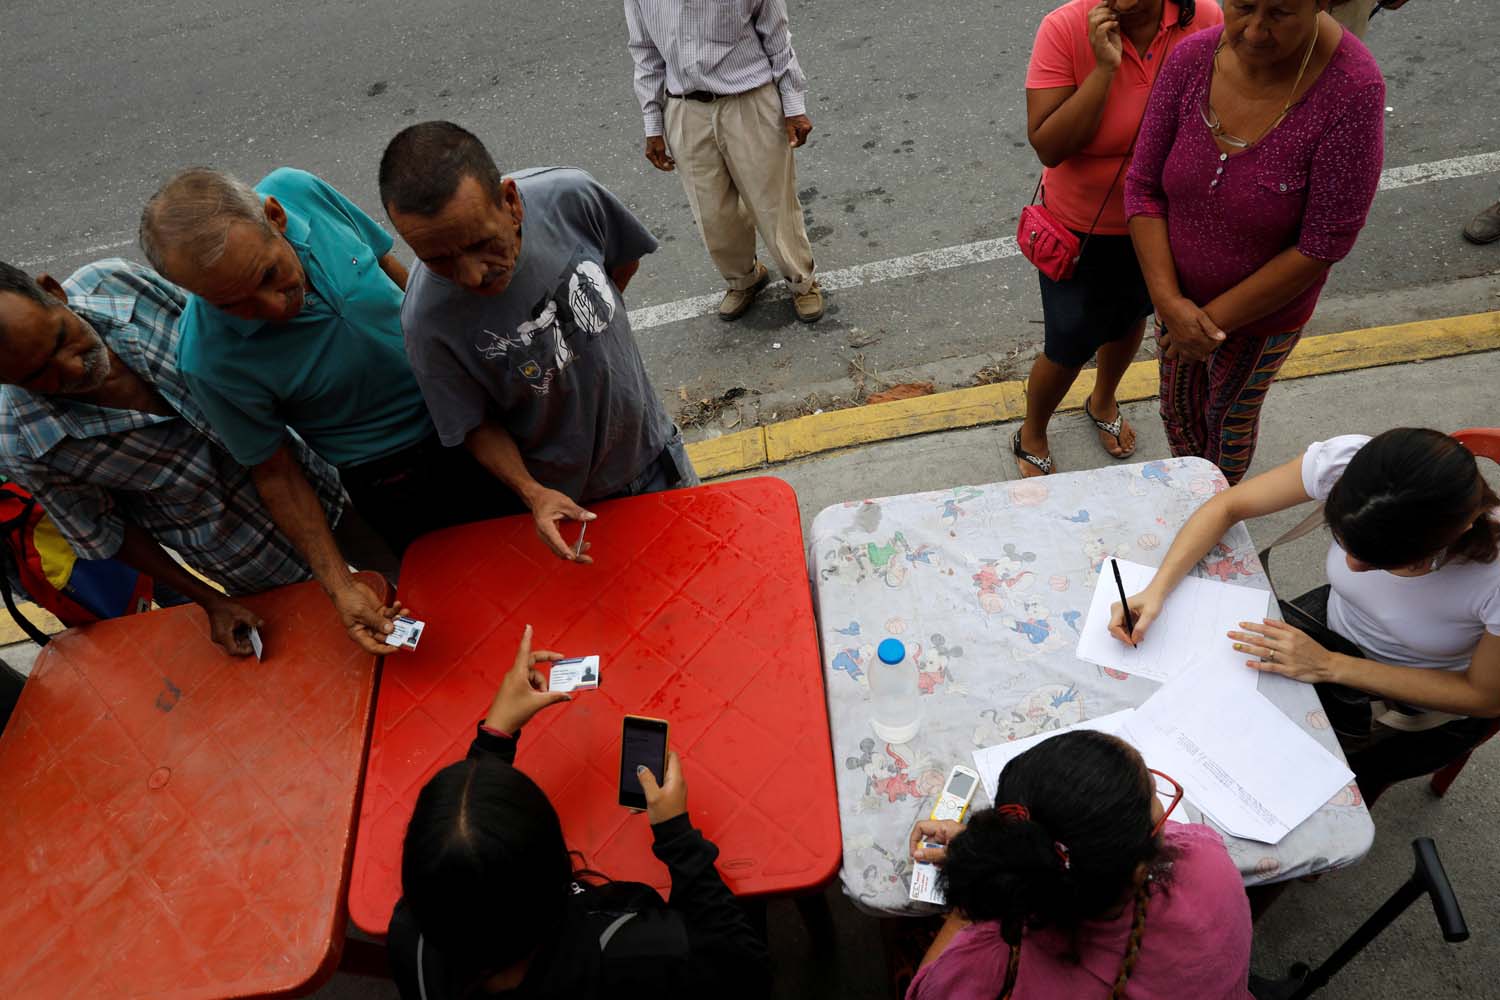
(1045, 464)
(1112, 428)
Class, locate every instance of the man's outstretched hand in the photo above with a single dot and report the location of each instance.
(548, 509)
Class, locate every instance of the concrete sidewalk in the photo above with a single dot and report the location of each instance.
(1310, 919)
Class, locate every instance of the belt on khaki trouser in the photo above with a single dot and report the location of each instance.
(700, 95)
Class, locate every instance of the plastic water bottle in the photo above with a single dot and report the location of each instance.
(896, 708)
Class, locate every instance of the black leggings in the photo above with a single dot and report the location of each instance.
(1378, 755)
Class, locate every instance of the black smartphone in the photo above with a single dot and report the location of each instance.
(643, 741)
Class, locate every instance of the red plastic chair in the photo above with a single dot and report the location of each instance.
(1485, 443)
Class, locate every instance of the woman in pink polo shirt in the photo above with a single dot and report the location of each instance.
(1091, 71)
(1075, 886)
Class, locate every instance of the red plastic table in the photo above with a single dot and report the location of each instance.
(175, 822)
(699, 607)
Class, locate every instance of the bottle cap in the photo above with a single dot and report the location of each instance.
(891, 651)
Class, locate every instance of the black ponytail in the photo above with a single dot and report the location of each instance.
(1064, 845)
(1007, 869)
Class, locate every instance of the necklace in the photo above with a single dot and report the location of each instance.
(1211, 117)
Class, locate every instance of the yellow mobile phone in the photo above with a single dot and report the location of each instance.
(957, 794)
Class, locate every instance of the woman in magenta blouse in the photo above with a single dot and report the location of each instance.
(1257, 162)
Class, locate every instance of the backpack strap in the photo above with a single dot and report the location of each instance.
(421, 972)
(613, 929)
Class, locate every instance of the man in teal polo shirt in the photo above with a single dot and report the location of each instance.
(294, 324)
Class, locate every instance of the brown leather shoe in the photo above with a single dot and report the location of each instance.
(1484, 227)
(809, 304)
(737, 301)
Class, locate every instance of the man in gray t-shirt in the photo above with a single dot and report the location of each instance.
(523, 350)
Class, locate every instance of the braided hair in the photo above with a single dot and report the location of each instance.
(1133, 945)
(1186, 11)
(1066, 846)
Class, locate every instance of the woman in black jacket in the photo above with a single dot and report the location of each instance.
(493, 904)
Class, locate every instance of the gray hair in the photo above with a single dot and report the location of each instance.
(190, 216)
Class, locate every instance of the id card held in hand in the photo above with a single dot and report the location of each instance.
(924, 884)
(581, 673)
(406, 633)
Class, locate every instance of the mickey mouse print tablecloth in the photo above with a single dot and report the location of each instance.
(988, 587)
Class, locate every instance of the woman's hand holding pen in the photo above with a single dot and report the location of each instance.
(1145, 607)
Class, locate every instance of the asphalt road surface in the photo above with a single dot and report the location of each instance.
(918, 145)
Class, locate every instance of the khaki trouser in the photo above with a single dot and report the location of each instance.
(739, 174)
(1354, 15)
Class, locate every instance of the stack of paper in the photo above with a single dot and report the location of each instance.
(1237, 756)
(1239, 759)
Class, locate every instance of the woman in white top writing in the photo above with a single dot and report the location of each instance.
(1403, 642)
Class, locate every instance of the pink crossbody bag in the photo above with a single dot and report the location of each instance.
(1045, 241)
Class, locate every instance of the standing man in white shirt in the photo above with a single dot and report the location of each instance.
(725, 100)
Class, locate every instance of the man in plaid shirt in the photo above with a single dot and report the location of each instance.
(97, 423)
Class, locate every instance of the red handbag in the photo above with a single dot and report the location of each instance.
(1047, 243)
(1052, 246)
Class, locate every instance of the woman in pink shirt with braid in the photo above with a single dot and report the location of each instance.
(1256, 166)
(1075, 886)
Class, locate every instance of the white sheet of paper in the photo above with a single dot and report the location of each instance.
(990, 761)
(1238, 757)
(257, 644)
(1189, 633)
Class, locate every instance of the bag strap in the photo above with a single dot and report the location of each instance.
(33, 633)
(1036, 190)
(1296, 531)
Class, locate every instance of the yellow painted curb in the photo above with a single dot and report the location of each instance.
(1335, 352)
(731, 453)
(883, 421)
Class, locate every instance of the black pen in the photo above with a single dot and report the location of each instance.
(1124, 601)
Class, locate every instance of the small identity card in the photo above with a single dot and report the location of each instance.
(406, 632)
(924, 884)
(581, 673)
(256, 643)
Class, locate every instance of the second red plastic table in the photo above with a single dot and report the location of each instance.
(698, 604)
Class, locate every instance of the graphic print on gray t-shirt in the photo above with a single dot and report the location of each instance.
(539, 348)
(552, 358)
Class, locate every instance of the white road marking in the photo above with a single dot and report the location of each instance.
(988, 250)
(928, 261)
(80, 252)
(1439, 170)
